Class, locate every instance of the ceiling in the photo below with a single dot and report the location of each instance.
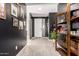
(29, 4)
(41, 9)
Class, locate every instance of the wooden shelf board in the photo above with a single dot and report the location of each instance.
(63, 22)
(62, 51)
(63, 33)
(74, 18)
(73, 50)
(74, 10)
(65, 12)
(59, 14)
(77, 38)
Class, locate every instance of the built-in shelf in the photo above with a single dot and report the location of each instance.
(75, 35)
(74, 18)
(73, 50)
(74, 47)
(74, 10)
(70, 17)
(63, 22)
(62, 51)
(62, 33)
(61, 13)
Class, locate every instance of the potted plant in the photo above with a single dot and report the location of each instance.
(53, 36)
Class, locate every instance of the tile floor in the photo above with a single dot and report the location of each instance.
(39, 47)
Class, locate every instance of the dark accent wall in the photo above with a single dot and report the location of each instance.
(12, 39)
(32, 27)
(46, 25)
(61, 7)
(52, 21)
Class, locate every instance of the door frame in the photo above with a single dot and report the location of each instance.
(32, 20)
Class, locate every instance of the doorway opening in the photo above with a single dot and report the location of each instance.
(39, 26)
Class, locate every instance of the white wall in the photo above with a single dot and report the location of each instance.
(40, 9)
(75, 6)
(38, 27)
(43, 27)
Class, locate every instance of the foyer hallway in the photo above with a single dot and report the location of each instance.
(39, 47)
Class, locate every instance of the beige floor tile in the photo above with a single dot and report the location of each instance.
(39, 47)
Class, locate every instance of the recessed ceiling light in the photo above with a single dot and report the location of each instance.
(39, 8)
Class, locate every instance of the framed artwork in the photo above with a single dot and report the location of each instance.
(14, 10)
(15, 22)
(2, 11)
(21, 25)
(24, 23)
(22, 12)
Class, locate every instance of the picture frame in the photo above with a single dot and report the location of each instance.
(14, 10)
(22, 12)
(15, 22)
(21, 27)
(24, 23)
(2, 11)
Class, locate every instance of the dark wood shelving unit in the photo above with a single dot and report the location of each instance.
(75, 40)
(70, 43)
(61, 40)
